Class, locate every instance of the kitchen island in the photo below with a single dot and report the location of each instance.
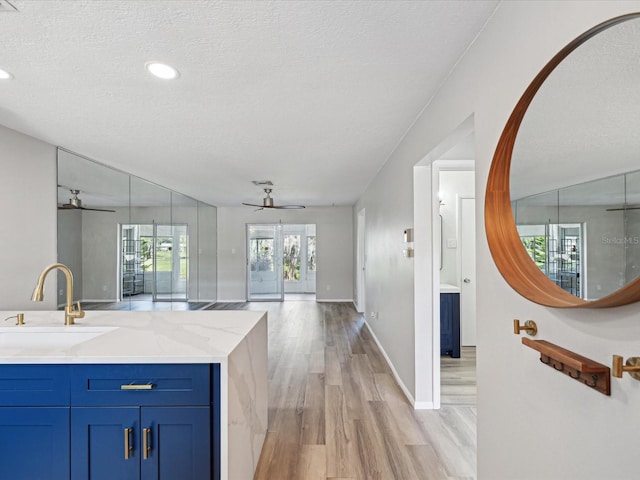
(182, 392)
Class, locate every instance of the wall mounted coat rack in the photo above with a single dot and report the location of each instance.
(590, 373)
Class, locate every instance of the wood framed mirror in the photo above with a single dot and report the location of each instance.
(570, 165)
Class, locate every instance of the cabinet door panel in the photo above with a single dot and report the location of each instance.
(98, 443)
(34, 443)
(179, 441)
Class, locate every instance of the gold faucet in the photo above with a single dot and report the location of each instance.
(70, 313)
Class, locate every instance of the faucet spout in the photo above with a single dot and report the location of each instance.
(70, 313)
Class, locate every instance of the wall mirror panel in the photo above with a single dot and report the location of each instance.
(562, 207)
(133, 244)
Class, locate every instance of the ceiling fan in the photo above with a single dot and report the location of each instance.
(267, 202)
(76, 204)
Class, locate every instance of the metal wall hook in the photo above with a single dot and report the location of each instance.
(529, 326)
(632, 365)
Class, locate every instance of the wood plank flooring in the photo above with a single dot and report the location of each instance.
(336, 412)
(458, 378)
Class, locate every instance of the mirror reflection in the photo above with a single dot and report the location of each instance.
(132, 244)
(586, 237)
(574, 184)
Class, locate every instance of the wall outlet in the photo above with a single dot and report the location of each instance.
(452, 243)
(61, 292)
(328, 288)
(374, 315)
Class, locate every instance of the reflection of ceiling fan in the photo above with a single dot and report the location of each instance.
(76, 204)
(267, 202)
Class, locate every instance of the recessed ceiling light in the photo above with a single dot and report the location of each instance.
(4, 75)
(162, 70)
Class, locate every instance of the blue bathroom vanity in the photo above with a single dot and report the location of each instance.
(146, 395)
(450, 320)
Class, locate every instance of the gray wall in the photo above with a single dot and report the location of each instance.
(533, 423)
(334, 237)
(28, 218)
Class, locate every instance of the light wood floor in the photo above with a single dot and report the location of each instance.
(458, 378)
(335, 411)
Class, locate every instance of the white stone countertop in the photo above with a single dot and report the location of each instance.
(448, 288)
(135, 337)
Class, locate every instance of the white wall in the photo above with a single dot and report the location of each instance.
(334, 241)
(28, 219)
(533, 423)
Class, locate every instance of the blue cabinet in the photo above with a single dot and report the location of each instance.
(34, 423)
(450, 324)
(125, 422)
(34, 443)
(125, 443)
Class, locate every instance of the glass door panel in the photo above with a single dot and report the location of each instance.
(264, 263)
(170, 263)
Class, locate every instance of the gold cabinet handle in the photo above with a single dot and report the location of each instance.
(146, 443)
(146, 386)
(128, 447)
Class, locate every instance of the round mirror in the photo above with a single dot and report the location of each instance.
(562, 207)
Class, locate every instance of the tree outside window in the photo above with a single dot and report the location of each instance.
(261, 255)
(292, 257)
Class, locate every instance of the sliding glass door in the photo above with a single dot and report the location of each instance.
(265, 279)
(154, 262)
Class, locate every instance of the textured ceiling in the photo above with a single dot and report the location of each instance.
(313, 95)
(584, 123)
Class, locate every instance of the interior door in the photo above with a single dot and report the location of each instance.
(265, 276)
(468, 271)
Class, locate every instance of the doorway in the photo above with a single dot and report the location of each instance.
(154, 263)
(281, 259)
(360, 263)
(265, 272)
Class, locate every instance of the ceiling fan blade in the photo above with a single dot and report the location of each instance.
(252, 205)
(98, 209)
(69, 206)
(289, 207)
(622, 208)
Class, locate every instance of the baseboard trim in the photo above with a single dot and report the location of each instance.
(340, 300)
(403, 387)
(100, 300)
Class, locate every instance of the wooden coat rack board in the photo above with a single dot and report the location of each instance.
(585, 370)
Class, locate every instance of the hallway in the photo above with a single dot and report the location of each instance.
(335, 410)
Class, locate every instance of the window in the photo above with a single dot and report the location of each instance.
(261, 255)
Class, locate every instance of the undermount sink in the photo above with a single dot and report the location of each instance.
(48, 337)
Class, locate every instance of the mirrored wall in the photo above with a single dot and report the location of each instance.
(585, 237)
(132, 244)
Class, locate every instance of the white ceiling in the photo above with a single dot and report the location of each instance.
(313, 95)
